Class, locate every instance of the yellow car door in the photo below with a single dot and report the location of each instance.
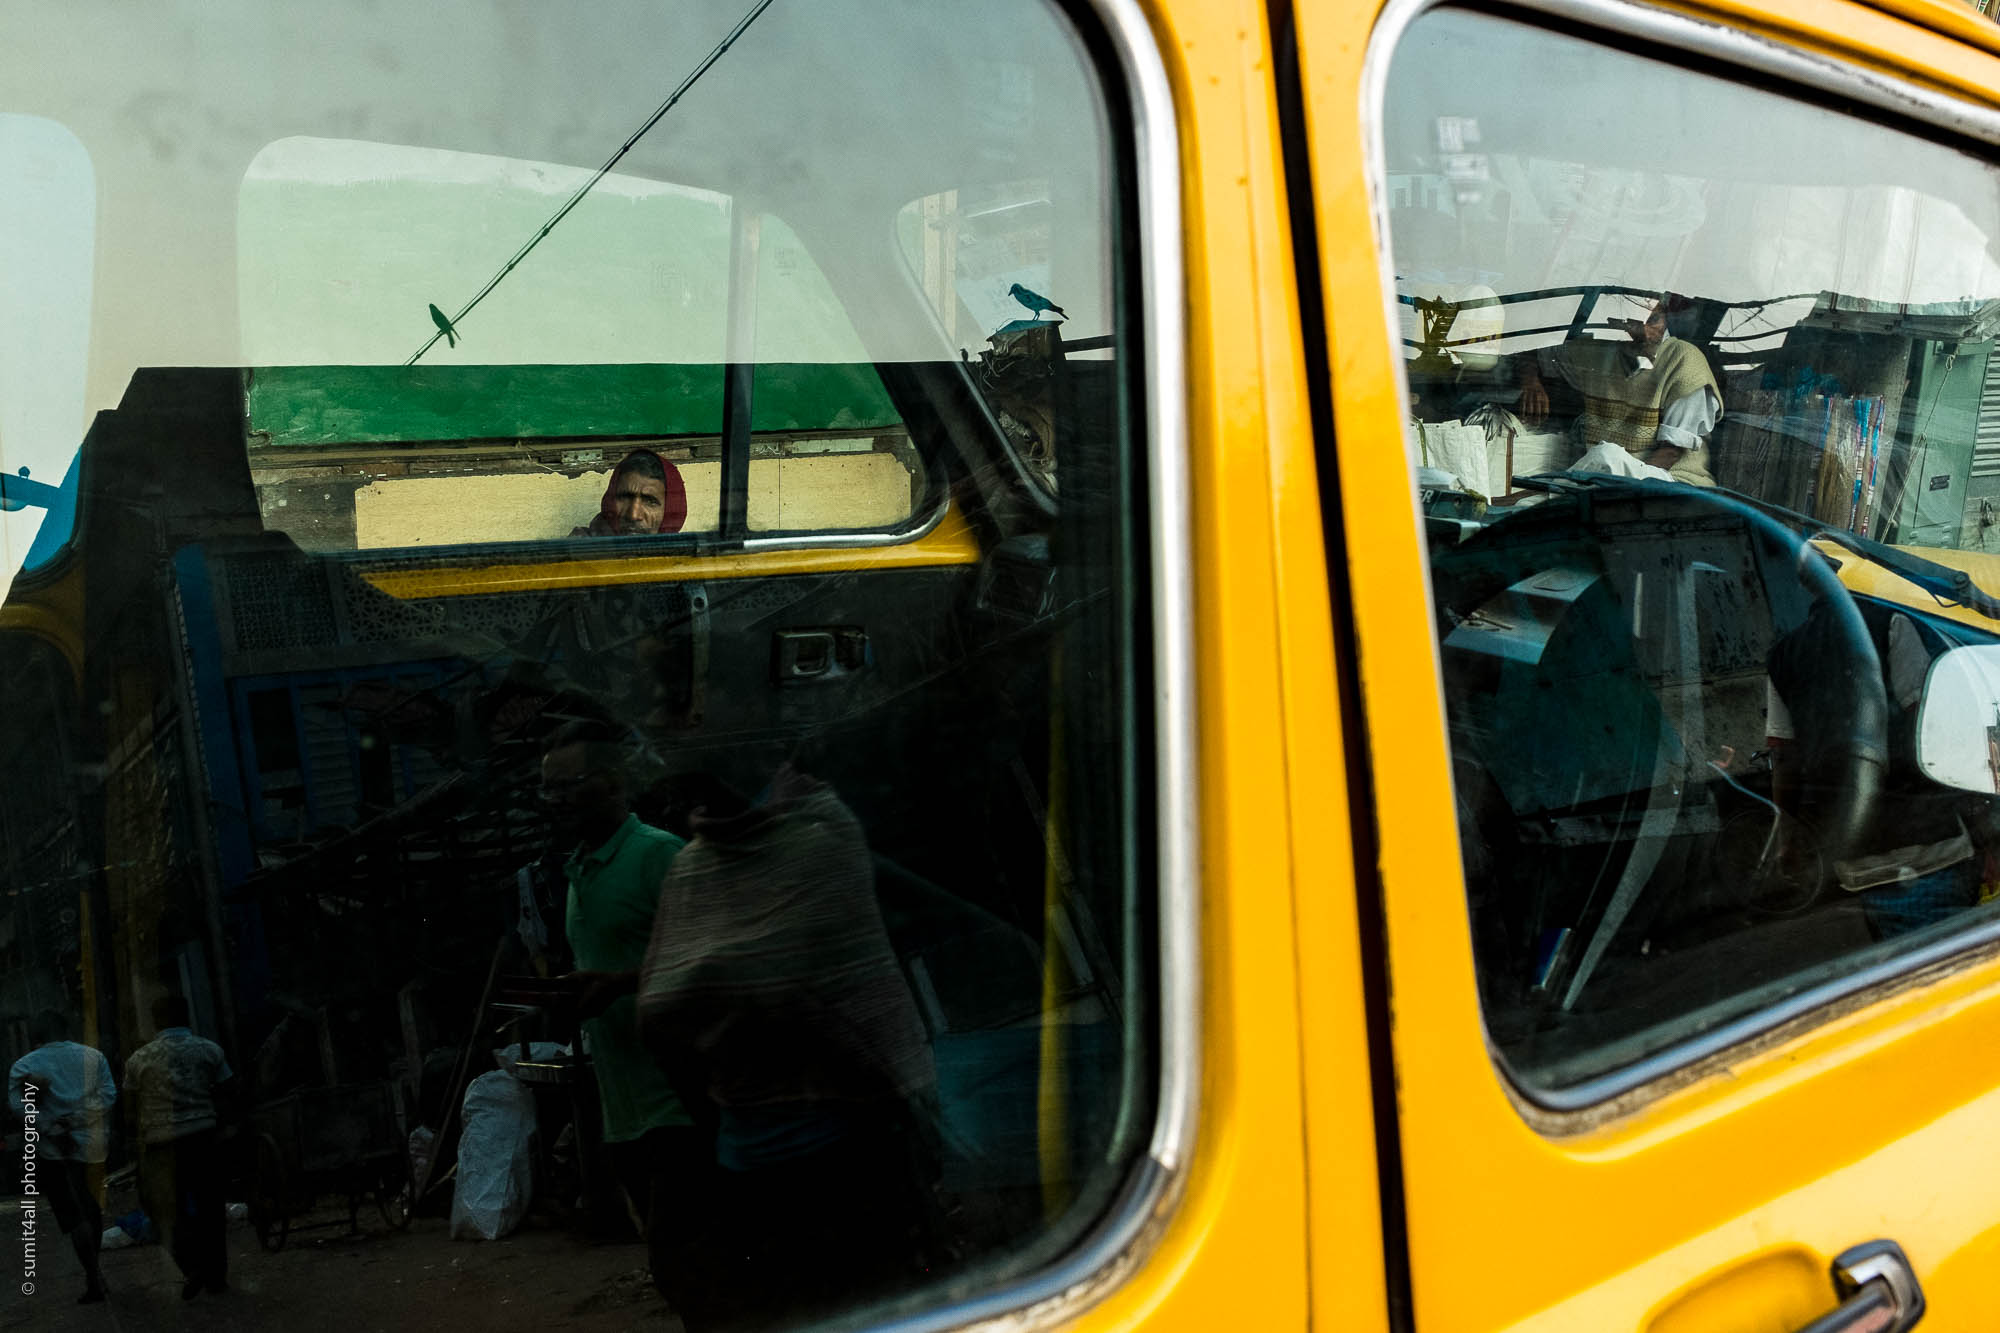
(1682, 966)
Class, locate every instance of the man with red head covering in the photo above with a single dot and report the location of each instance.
(646, 495)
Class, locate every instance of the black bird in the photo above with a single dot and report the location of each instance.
(444, 327)
(1035, 301)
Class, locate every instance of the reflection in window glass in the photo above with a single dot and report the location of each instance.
(985, 261)
(594, 670)
(352, 457)
(52, 525)
(48, 234)
(834, 481)
(1654, 362)
(338, 237)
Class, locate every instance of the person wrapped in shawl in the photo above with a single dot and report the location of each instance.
(645, 495)
(1655, 397)
(772, 992)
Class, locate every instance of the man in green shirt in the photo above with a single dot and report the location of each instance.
(614, 875)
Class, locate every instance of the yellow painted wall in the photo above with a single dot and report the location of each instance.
(832, 491)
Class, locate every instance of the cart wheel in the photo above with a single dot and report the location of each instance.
(393, 1196)
(270, 1201)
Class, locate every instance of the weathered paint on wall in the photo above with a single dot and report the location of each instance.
(860, 491)
(319, 405)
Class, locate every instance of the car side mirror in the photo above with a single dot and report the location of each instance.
(1958, 720)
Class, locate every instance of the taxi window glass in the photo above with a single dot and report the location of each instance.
(374, 457)
(48, 233)
(543, 704)
(984, 259)
(612, 324)
(1701, 386)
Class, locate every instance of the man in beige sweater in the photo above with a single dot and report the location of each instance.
(1655, 397)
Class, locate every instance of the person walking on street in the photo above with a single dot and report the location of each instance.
(176, 1083)
(62, 1093)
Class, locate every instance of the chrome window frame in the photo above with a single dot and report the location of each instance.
(1116, 1247)
(1788, 69)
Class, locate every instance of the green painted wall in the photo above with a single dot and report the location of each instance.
(308, 405)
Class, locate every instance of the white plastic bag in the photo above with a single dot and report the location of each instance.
(1454, 447)
(1536, 452)
(495, 1158)
(1605, 456)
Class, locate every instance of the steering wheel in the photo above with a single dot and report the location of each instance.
(1830, 675)
(1603, 727)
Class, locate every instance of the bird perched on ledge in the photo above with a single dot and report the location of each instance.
(1035, 301)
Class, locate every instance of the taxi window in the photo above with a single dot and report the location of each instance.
(373, 458)
(1701, 394)
(605, 337)
(540, 691)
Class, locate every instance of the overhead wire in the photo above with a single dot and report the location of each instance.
(542, 232)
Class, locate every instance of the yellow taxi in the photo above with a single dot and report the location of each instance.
(1306, 665)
